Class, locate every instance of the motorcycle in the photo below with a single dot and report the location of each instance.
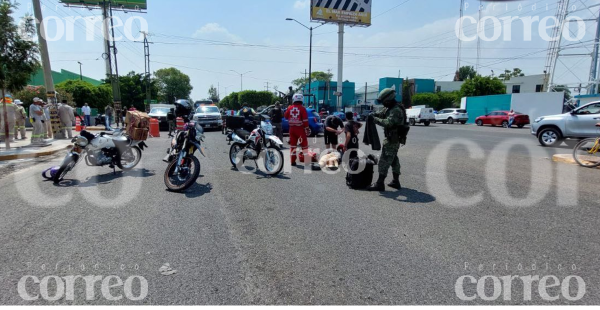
(260, 140)
(116, 149)
(184, 168)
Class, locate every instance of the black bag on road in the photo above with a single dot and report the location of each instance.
(362, 180)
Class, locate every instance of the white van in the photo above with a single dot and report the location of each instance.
(420, 115)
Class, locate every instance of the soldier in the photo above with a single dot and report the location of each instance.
(21, 117)
(10, 111)
(392, 118)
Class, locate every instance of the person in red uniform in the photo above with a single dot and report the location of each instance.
(298, 119)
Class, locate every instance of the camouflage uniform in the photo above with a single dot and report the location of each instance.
(390, 120)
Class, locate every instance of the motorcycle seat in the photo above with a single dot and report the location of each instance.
(244, 134)
(120, 139)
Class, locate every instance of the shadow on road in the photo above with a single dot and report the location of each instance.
(106, 178)
(410, 195)
(198, 190)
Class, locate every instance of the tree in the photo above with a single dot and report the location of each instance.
(213, 94)
(507, 75)
(316, 76)
(133, 89)
(172, 85)
(437, 101)
(482, 86)
(97, 97)
(564, 89)
(466, 72)
(18, 56)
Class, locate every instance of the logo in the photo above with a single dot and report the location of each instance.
(295, 113)
(320, 12)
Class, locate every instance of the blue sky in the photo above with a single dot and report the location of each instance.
(415, 39)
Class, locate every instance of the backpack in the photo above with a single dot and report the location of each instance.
(362, 180)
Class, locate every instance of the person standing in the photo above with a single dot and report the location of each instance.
(117, 117)
(47, 122)
(171, 119)
(297, 117)
(10, 111)
(334, 127)
(108, 114)
(87, 113)
(21, 118)
(391, 118)
(67, 117)
(352, 129)
(277, 119)
(511, 118)
(36, 113)
(124, 115)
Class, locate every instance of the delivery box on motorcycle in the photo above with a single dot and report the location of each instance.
(235, 122)
(140, 134)
(138, 125)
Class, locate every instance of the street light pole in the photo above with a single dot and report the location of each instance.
(241, 78)
(309, 55)
(80, 71)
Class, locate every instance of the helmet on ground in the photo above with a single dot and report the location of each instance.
(298, 98)
(50, 173)
(387, 95)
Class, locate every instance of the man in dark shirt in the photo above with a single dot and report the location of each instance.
(333, 128)
(352, 130)
(276, 119)
(171, 120)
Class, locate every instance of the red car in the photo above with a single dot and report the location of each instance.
(501, 118)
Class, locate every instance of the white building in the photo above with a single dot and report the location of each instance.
(441, 86)
(525, 84)
(372, 94)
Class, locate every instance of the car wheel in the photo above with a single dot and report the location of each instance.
(412, 122)
(451, 121)
(550, 137)
(521, 127)
(463, 122)
(479, 123)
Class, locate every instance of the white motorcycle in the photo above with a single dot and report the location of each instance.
(116, 149)
(252, 146)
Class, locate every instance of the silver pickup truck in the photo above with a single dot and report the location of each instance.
(569, 127)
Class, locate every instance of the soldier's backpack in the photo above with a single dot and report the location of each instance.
(359, 180)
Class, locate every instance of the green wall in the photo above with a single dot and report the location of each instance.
(479, 106)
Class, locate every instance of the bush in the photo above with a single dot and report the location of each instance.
(482, 86)
(431, 100)
(97, 97)
(255, 99)
(438, 101)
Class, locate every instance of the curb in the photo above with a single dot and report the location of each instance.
(565, 159)
(32, 155)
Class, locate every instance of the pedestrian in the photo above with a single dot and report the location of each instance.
(124, 115)
(108, 114)
(21, 118)
(393, 119)
(117, 117)
(511, 118)
(277, 119)
(10, 113)
(352, 129)
(247, 112)
(297, 117)
(87, 113)
(36, 113)
(334, 126)
(47, 121)
(171, 119)
(67, 117)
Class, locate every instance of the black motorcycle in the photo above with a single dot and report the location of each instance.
(184, 168)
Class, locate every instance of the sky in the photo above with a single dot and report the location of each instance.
(409, 38)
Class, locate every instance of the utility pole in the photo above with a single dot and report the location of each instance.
(594, 70)
(110, 52)
(267, 86)
(340, 83)
(147, 68)
(48, 81)
(366, 89)
(241, 79)
(80, 71)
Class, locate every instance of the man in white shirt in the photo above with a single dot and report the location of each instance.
(36, 112)
(87, 112)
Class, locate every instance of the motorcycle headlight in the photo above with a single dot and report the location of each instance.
(267, 127)
(81, 141)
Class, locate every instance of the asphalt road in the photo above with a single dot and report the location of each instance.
(477, 202)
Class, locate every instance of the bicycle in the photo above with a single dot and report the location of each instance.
(587, 152)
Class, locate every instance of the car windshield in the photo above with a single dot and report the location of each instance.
(160, 111)
(207, 110)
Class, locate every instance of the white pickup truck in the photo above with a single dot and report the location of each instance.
(420, 115)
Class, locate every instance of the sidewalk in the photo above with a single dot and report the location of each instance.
(22, 149)
(565, 159)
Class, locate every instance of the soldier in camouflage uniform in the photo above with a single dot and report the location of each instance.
(391, 119)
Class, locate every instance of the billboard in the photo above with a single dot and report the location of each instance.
(356, 12)
(117, 4)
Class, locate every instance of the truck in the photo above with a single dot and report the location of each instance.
(420, 115)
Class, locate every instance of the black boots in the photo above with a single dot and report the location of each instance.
(396, 182)
(379, 186)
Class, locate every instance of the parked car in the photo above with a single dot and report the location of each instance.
(451, 116)
(209, 116)
(569, 127)
(423, 116)
(501, 118)
(340, 115)
(160, 113)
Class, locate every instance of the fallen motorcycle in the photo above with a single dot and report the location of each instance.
(184, 168)
(115, 150)
(252, 146)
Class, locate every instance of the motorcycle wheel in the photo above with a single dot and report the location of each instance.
(130, 158)
(66, 166)
(273, 160)
(234, 151)
(183, 181)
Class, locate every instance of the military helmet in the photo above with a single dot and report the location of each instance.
(387, 95)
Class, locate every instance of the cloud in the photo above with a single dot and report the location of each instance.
(216, 31)
(301, 4)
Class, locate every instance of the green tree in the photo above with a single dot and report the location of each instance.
(316, 76)
(482, 86)
(256, 99)
(507, 75)
(428, 99)
(18, 56)
(466, 72)
(213, 94)
(133, 89)
(172, 85)
(84, 92)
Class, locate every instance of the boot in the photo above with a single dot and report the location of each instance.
(396, 182)
(379, 186)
